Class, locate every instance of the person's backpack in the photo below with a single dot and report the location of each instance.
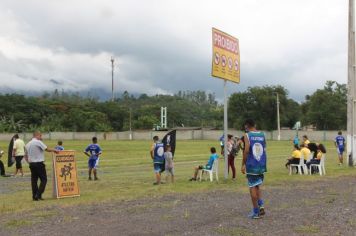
(235, 149)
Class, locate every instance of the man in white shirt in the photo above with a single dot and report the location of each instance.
(35, 157)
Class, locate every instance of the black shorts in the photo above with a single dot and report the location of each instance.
(18, 162)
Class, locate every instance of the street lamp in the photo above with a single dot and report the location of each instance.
(112, 78)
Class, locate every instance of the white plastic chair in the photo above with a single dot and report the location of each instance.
(300, 166)
(320, 166)
(310, 157)
(213, 169)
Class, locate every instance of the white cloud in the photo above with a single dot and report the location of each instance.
(165, 46)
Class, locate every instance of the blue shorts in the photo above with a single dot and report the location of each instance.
(93, 163)
(340, 150)
(158, 167)
(254, 180)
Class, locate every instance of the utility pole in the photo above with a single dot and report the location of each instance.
(130, 124)
(112, 78)
(351, 149)
(278, 121)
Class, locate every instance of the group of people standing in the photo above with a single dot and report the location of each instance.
(33, 153)
(253, 165)
(162, 160)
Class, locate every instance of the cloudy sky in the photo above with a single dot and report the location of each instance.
(162, 46)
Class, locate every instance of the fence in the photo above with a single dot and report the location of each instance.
(181, 135)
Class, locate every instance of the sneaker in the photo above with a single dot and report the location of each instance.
(89, 178)
(155, 183)
(96, 178)
(253, 215)
(192, 179)
(262, 210)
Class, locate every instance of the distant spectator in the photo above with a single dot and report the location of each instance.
(321, 150)
(296, 140)
(305, 152)
(295, 157)
(208, 166)
(305, 140)
(93, 151)
(340, 146)
(169, 167)
(222, 144)
(313, 147)
(59, 146)
(157, 155)
(18, 152)
(231, 152)
(2, 167)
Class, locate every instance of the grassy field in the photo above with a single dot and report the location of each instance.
(126, 173)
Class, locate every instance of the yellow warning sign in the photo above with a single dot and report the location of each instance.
(226, 56)
(65, 181)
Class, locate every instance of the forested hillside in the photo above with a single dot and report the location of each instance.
(61, 111)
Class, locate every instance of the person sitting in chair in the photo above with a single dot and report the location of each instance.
(208, 166)
(2, 167)
(320, 151)
(295, 158)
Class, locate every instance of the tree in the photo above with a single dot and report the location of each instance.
(326, 108)
(259, 103)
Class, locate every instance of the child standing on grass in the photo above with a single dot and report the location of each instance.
(169, 167)
(93, 151)
(254, 166)
(340, 146)
(59, 146)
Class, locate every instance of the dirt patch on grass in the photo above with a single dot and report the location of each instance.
(325, 207)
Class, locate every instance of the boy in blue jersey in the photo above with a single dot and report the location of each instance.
(93, 151)
(254, 166)
(340, 146)
(59, 146)
(157, 155)
(208, 165)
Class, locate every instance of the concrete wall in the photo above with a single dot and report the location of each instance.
(181, 135)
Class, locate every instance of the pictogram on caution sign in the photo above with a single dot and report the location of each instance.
(65, 181)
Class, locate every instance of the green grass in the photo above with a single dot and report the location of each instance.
(13, 224)
(126, 173)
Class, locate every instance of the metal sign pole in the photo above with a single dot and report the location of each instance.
(225, 133)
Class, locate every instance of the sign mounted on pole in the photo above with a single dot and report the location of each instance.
(226, 56)
(65, 181)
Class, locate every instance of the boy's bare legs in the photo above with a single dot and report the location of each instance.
(196, 170)
(89, 173)
(341, 159)
(158, 178)
(254, 196)
(195, 173)
(95, 176)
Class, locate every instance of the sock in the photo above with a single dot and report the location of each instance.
(256, 210)
(260, 202)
